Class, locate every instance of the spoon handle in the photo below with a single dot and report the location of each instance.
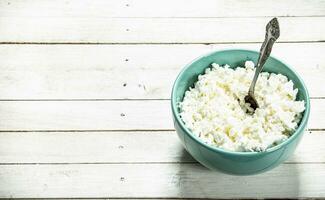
(272, 34)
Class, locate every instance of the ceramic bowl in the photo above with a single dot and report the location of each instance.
(239, 163)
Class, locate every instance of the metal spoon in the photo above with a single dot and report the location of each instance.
(272, 34)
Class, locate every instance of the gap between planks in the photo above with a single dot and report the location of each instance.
(151, 198)
(117, 99)
(140, 163)
(148, 43)
(111, 130)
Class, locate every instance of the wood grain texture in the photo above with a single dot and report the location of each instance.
(121, 147)
(155, 30)
(104, 115)
(158, 180)
(126, 71)
(68, 128)
(167, 8)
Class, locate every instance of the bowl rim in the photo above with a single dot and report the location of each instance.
(297, 132)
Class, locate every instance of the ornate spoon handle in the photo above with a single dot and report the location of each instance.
(272, 34)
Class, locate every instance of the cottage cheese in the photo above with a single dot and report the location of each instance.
(215, 109)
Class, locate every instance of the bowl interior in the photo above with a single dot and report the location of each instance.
(234, 58)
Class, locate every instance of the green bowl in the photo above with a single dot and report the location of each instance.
(239, 163)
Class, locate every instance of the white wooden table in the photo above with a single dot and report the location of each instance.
(85, 87)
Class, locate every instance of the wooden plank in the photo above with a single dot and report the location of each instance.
(120, 147)
(85, 115)
(92, 147)
(155, 30)
(167, 8)
(120, 71)
(158, 180)
(104, 115)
